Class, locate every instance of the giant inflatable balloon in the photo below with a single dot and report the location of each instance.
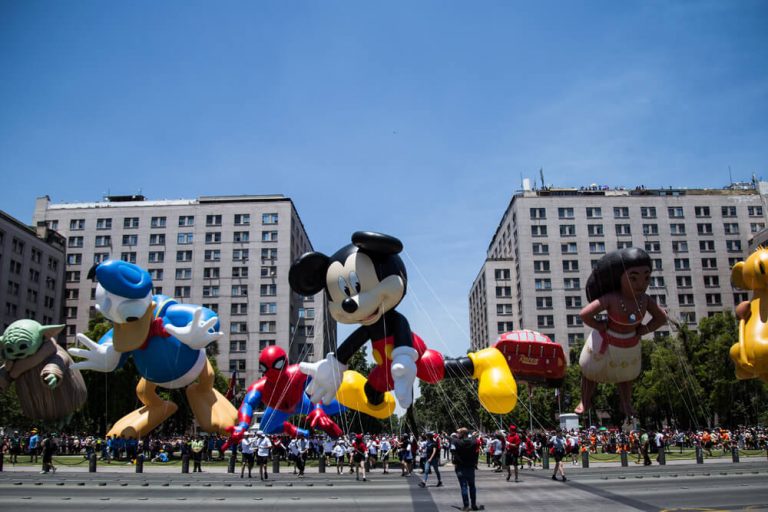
(364, 282)
(281, 389)
(612, 352)
(48, 385)
(167, 341)
(750, 354)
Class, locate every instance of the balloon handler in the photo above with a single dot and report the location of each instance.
(750, 353)
(281, 389)
(364, 282)
(612, 353)
(48, 385)
(167, 341)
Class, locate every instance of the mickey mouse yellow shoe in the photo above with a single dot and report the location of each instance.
(351, 394)
(497, 389)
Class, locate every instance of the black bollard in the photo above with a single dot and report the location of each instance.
(140, 463)
(585, 459)
(699, 455)
(662, 457)
(735, 453)
(92, 463)
(232, 462)
(544, 459)
(321, 467)
(1, 461)
(275, 465)
(624, 459)
(185, 463)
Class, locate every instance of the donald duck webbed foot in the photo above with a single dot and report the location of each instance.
(497, 389)
(352, 394)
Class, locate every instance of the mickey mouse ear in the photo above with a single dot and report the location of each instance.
(377, 243)
(307, 274)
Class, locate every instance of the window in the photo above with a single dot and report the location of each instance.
(184, 238)
(567, 230)
(307, 313)
(239, 290)
(574, 338)
(268, 308)
(130, 240)
(265, 343)
(213, 220)
(236, 346)
(704, 228)
(503, 291)
(186, 221)
(242, 219)
(650, 229)
(502, 327)
(656, 264)
(653, 247)
(573, 302)
(269, 236)
(539, 231)
(156, 256)
(597, 247)
(212, 306)
(156, 274)
(72, 259)
(543, 302)
(685, 299)
(570, 265)
(731, 228)
(72, 293)
(241, 236)
(573, 321)
(130, 256)
(183, 273)
(682, 264)
(77, 224)
(660, 299)
(648, 212)
(568, 248)
(157, 222)
(237, 365)
(701, 211)
(211, 290)
(238, 327)
(706, 245)
(728, 211)
(240, 254)
(754, 227)
(565, 213)
(540, 249)
(130, 222)
(709, 263)
(572, 283)
(541, 266)
(157, 239)
(711, 281)
(624, 244)
(689, 317)
(213, 237)
(675, 212)
(70, 312)
(542, 284)
(503, 309)
(239, 271)
(657, 282)
(268, 254)
(267, 326)
(733, 245)
(594, 212)
(268, 290)
(621, 212)
(37, 255)
(502, 274)
(18, 246)
(72, 276)
(546, 320)
(211, 272)
(740, 297)
(103, 223)
(683, 281)
(183, 256)
(677, 229)
(75, 242)
(623, 230)
(269, 218)
(15, 267)
(213, 255)
(681, 246)
(595, 229)
(755, 211)
(238, 308)
(538, 213)
(733, 261)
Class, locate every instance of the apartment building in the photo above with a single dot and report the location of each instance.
(544, 248)
(228, 253)
(31, 273)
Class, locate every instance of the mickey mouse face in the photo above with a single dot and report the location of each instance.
(357, 295)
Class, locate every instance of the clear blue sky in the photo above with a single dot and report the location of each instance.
(415, 118)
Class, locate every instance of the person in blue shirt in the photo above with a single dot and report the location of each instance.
(33, 445)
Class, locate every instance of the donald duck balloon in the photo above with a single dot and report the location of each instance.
(167, 341)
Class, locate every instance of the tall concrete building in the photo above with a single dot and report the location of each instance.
(229, 253)
(544, 248)
(31, 273)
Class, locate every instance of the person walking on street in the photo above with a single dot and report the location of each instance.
(197, 454)
(49, 448)
(386, 449)
(433, 460)
(512, 452)
(558, 450)
(302, 446)
(246, 448)
(263, 447)
(358, 456)
(644, 447)
(464, 464)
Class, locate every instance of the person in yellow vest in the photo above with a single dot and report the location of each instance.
(197, 453)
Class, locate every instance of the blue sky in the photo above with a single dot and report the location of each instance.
(417, 119)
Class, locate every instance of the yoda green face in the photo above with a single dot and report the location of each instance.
(23, 338)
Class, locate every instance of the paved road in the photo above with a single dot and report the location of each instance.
(675, 487)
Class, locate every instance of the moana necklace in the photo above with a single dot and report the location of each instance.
(631, 315)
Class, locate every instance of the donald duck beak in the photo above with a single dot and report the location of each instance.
(132, 334)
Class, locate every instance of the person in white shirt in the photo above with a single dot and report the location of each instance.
(386, 449)
(293, 453)
(263, 447)
(339, 452)
(373, 453)
(246, 448)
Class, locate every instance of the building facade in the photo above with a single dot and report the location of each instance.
(31, 273)
(229, 253)
(544, 248)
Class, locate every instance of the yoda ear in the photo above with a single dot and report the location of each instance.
(737, 276)
(50, 331)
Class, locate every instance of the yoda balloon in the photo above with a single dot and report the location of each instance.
(48, 389)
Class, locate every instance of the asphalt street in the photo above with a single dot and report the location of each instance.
(741, 486)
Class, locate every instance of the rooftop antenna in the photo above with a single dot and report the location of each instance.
(730, 175)
(541, 173)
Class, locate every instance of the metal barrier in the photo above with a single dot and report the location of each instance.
(140, 463)
(545, 458)
(276, 465)
(92, 463)
(321, 466)
(585, 459)
(624, 459)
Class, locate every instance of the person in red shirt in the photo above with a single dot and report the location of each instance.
(512, 449)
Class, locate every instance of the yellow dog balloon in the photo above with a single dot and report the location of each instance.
(750, 354)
